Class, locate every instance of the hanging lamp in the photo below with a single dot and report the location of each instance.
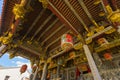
(66, 41)
(23, 68)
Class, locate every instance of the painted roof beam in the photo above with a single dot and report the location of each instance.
(76, 14)
(87, 12)
(49, 27)
(41, 26)
(30, 50)
(42, 43)
(33, 24)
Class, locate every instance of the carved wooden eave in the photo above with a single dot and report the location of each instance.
(40, 31)
(7, 16)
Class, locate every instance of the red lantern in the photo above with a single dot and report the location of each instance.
(66, 41)
(107, 56)
(23, 68)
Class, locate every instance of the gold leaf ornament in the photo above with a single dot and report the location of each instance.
(78, 46)
(98, 29)
(44, 2)
(49, 60)
(23, 2)
(19, 11)
(12, 26)
(6, 39)
(88, 41)
(90, 33)
(11, 55)
(15, 45)
(1, 38)
(29, 42)
(97, 2)
(10, 34)
(72, 54)
(110, 31)
(101, 14)
(115, 16)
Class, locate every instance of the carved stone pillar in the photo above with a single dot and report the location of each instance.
(91, 63)
(44, 73)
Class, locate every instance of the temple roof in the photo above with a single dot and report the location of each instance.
(41, 29)
(7, 14)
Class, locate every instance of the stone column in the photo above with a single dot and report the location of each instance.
(91, 63)
(35, 74)
(44, 73)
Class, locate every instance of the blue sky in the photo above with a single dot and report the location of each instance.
(1, 2)
(15, 62)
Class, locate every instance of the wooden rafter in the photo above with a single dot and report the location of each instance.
(49, 27)
(55, 49)
(76, 14)
(41, 26)
(52, 34)
(54, 9)
(34, 23)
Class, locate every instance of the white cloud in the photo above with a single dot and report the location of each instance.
(19, 57)
(19, 64)
(7, 54)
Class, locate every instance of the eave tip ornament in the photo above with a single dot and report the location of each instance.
(66, 41)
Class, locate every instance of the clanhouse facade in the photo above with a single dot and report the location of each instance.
(66, 39)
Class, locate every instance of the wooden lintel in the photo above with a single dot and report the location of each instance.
(30, 50)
